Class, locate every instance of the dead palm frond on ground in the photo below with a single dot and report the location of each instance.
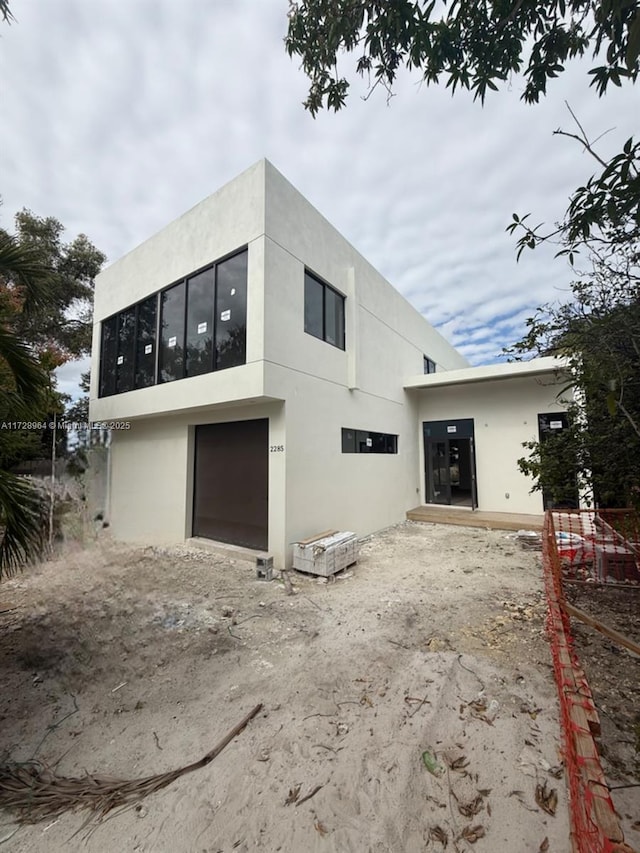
(32, 792)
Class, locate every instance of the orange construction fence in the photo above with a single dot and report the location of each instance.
(598, 547)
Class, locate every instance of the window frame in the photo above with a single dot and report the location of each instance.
(428, 365)
(108, 359)
(357, 441)
(340, 301)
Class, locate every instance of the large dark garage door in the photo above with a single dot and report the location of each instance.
(231, 483)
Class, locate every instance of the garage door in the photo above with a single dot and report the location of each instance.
(231, 483)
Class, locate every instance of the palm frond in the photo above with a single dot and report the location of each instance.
(23, 515)
(30, 379)
(6, 12)
(23, 267)
(33, 792)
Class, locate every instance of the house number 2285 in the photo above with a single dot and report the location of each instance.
(277, 448)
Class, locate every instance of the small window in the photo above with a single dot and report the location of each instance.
(333, 318)
(429, 365)
(549, 424)
(323, 311)
(313, 307)
(363, 441)
(348, 441)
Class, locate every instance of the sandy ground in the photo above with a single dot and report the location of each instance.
(125, 662)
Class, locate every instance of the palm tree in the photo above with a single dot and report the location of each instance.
(23, 384)
(7, 14)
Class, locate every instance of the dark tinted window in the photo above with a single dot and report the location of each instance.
(231, 312)
(348, 441)
(146, 343)
(200, 299)
(313, 306)
(323, 311)
(383, 443)
(429, 365)
(108, 355)
(172, 333)
(203, 327)
(364, 441)
(549, 424)
(334, 318)
(126, 350)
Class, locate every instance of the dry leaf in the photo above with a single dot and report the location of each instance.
(294, 793)
(472, 808)
(472, 833)
(320, 827)
(547, 799)
(544, 846)
(519, 795)
(439, 834)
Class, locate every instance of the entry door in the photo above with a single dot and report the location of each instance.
(438, 475)
(450, 471)
(231, 483)
(550, 428)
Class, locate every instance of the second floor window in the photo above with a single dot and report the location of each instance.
(323, 311)
(195, 326)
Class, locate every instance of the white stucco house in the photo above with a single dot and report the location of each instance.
(265, 383)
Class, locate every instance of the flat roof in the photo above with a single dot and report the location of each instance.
(488, 373)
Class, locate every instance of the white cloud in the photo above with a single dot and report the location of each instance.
(118, 117)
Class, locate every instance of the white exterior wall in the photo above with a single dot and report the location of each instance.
(229, 219)
(326, 488)
(505, 414)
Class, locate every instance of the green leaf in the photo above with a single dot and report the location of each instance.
(633, 42)
(431, 763)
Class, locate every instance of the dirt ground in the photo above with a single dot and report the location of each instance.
(413, 696)
(613, 674)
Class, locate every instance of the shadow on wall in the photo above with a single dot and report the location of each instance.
(95, 480)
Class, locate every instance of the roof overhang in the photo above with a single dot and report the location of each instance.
(490, 373)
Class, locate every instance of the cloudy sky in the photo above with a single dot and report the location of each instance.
(119, 115)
